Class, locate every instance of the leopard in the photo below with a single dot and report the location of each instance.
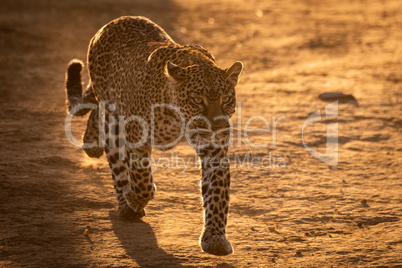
(145, 92)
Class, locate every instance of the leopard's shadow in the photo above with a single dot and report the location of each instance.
(140, 243)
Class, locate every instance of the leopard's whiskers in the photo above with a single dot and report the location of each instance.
(235, 131)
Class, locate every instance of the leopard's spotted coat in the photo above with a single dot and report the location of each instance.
(133, 65)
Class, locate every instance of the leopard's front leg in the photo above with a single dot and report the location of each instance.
(141, 188)
(131, 169)
(133, 181)
(215, 187)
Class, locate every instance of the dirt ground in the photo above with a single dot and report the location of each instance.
(296, 212)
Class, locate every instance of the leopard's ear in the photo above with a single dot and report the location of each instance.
(175, 71)
(233, 73)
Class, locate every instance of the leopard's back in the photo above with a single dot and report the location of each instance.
(118, 55)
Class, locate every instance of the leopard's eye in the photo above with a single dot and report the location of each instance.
(226, 99)
(198, 100)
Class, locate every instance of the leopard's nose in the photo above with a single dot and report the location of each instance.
(219, 123)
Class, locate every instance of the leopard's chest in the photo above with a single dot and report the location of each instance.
(167, 126)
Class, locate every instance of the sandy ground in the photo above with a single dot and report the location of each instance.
(296, 212)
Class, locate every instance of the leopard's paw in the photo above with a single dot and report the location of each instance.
(95, 152)
(129, 214)
(215, 244)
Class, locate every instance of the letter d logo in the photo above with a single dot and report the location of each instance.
(331, 151)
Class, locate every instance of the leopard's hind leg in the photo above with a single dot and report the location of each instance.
(90, 138)
(75, 98)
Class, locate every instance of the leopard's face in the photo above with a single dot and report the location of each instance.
(206, 97)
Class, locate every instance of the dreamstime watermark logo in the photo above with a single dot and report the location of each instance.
(115, 136)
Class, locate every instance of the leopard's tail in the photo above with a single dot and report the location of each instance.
(74, 86)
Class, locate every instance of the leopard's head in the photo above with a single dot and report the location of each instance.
(205, 95)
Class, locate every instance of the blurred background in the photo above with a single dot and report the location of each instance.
(304, 214)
